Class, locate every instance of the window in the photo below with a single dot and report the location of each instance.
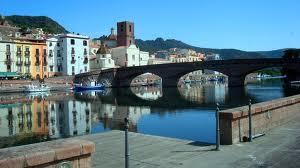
(73, 70)
(85, 69)
(58, 44)
(72, 41)
(129, 41)
(109, 61)
(19, 49)
(38, 68)
(51, 68)
(50, 44)
(72, 50)
(84, 43)
(45, 52)
(129, 28)
(122, 28)
(8, 47)
(85, 52)
(37, 51)
(133, 57)
(58, 53)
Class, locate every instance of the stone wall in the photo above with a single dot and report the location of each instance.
(234, 123)
(53, 154)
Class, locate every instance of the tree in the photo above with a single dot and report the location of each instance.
(291, 53)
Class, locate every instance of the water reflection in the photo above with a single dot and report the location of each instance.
(186, 112)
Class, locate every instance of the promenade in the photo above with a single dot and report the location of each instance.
(280, 147)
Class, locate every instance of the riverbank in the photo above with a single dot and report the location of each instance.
(272, 150)
(56, 84)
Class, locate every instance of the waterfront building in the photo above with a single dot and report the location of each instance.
(32, 57)
(55, 66)
(7, 55)
(126, 56)
(39, 63)
(74, 49)
(102, 60)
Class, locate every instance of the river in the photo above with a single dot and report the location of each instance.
(186, 112)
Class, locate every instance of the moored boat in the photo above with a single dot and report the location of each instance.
(91, 86)
(37, 88)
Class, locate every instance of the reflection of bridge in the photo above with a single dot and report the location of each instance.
(173, 98)
(236, 70)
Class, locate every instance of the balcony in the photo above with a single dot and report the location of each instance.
(86, 60)
(8, 61)
(19, 53)
(27, 62)
(37, 62)
(19, 62)
(27, 53)
(73, 61)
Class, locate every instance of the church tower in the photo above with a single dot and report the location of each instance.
(125, 35)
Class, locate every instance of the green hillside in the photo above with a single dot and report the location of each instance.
(46, 23)
(161, 44)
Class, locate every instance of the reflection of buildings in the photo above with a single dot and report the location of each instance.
(69, 118)
(147, 93)
(113, 116)
(205, 93)
(48, 118)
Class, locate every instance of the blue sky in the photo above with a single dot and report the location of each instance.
(242, 24)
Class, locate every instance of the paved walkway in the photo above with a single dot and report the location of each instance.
(279, 148)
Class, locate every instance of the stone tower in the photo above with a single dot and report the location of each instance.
(125, 35)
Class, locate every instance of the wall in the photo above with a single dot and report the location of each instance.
(265, 116)
(77, 153)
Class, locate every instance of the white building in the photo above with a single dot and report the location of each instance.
(126, 56)
(210, 57)
(102, 60)
(7, 55)
(72, 54)
(54, 57)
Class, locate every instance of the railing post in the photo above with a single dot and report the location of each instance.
(217, 128)
(126, 143)
(250, 121)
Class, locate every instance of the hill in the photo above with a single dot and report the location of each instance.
(273, 53)
(44, 22)
(161, 44)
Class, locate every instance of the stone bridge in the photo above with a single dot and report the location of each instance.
(235, 69)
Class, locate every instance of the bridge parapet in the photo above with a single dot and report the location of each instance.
(236, 70)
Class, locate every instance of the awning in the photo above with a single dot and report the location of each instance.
(9, 74)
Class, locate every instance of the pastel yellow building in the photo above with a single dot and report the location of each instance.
(31, 57)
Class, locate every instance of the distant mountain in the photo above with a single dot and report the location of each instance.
(273, 53)
(161, 44)
(44, 22)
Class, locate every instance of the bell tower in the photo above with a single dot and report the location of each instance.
(125, 35)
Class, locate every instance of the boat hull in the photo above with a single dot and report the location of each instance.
(84, 88)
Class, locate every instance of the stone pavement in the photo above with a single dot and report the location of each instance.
(280, 147)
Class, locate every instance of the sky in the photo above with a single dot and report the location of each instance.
(251, 25)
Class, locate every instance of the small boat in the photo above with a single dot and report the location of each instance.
(91, 86)
(37, 88)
